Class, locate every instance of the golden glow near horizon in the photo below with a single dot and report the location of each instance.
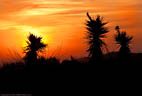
(61, 23)
(38, 32)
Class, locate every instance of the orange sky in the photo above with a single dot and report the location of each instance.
(61, 24)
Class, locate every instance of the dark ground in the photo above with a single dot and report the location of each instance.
(50, 76)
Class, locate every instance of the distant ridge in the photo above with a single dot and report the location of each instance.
(136, 57)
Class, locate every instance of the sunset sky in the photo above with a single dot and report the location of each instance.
(61, 23)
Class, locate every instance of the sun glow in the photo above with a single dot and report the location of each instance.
(29, 29)
(36, 31)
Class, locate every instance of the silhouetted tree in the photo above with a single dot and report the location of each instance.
(96, 31)
(34, 46)
(123, 40)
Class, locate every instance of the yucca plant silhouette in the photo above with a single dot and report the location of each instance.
(123, 40)
(96, 30)
(34, 46)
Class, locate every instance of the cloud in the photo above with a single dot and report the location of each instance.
(11, 7)
(8, 6)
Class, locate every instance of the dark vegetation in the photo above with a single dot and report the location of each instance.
(45, 72)
(96, 31)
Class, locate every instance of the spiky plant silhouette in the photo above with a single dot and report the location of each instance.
(34, 46)
(96, 31)
(123, 40)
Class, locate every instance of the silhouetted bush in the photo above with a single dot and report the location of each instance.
(123, 41)
(96, 31)
(34, 46)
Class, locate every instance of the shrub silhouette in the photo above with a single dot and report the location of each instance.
(96, 31)
(123, 40)
(34, 46)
